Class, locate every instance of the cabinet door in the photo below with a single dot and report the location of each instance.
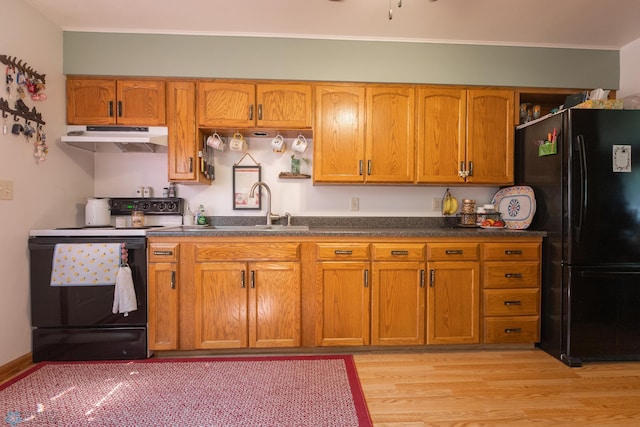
(141, 102)
(220, 305)
(343, 304)
(91, 101)
(274, 304)
(222, 104)
(397, 306)
(442, 119)
(339, 134)
(163, 306)
(285, 105)
(453, 303)
(390, 134)
(183, 147)
(490, 136)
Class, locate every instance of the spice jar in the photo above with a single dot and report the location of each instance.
(468, 212)
(137, 219)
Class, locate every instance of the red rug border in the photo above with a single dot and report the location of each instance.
(357, 394)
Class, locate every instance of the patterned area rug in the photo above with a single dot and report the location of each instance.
(252, 391)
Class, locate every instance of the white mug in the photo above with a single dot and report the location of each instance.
(217, 142)
(300, 144)
(238, 143)
(278, 144)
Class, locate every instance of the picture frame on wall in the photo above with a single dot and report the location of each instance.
(243, 178)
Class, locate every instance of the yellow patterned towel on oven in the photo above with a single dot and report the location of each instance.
(85, 264)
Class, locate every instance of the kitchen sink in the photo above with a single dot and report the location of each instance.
(260, 227)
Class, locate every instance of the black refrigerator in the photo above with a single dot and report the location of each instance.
(587, 190)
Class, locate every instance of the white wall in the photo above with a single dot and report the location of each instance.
(630, 69)
(45, 194)
(120, 174)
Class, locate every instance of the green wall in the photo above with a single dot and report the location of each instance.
(337, 60)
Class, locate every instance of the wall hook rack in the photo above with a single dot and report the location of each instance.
(24, 68)
(32, 115)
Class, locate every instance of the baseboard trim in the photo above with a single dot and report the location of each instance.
(14, 367)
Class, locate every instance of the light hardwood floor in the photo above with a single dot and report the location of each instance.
(497, 388)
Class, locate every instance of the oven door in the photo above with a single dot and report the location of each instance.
(83, 306)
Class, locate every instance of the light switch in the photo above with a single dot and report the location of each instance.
(6, 190)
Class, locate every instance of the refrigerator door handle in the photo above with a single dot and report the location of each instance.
(582, 208)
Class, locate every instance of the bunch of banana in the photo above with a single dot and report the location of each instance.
(449, 204)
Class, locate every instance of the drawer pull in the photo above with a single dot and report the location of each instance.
(513, 252)
(514, 302)
(512, 330)
(399, 252)
(513, 275)
(454, 252)
(163, 253)
(343, 252)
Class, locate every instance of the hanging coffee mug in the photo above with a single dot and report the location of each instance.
(238, 143)
(300, 144)
(217, 142)
(278, 144)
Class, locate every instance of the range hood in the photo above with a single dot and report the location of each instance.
(140, 139)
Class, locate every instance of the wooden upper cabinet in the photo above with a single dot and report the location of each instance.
(364, 134)
(490, 136)
(442, 120)
(111, 101)
(339, 133)
(390, 134)
(268, 105)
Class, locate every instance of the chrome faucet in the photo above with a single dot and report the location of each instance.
(270, 215)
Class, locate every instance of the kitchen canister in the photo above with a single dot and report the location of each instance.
(97, 212)
(468, 212)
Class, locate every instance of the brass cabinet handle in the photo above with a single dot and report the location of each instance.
(253, 279)
(360, 165)
(366, 278)
(454, 252)
(513, 302)
(512, 330)
(470, 168)
(342, 252)
(399, 252)
(513, 252)
(173, 280)
(190, 164)
(422, 278)
(251, 112)
(163, 253)
(513, 275)
(368, 167)
(259, 111)
(432, 278)
(242, 280)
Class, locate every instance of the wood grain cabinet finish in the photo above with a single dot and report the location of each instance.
(453, 296)
(183, 143)
(163, 288)
(465, 135)
(115, 101)
(398, 294)
(343, 294)
(282, 105)
(247, 303)
(364, 134)
(511, 292)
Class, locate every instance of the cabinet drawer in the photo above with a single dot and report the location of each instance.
(511, 274)
(519, 329)
(511, 251)
(247, 251)
(511, 302)
(343, 251)
(452, 251)
(164, 252)
(397, 251)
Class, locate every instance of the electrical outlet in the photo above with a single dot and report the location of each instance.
(355, 204)
(6, 190)
(436, 204)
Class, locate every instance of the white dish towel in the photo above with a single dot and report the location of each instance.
(124, 294)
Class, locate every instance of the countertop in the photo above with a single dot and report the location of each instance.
(343, 227)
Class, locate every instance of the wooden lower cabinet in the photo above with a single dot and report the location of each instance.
(162, 296)
(255, 304)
